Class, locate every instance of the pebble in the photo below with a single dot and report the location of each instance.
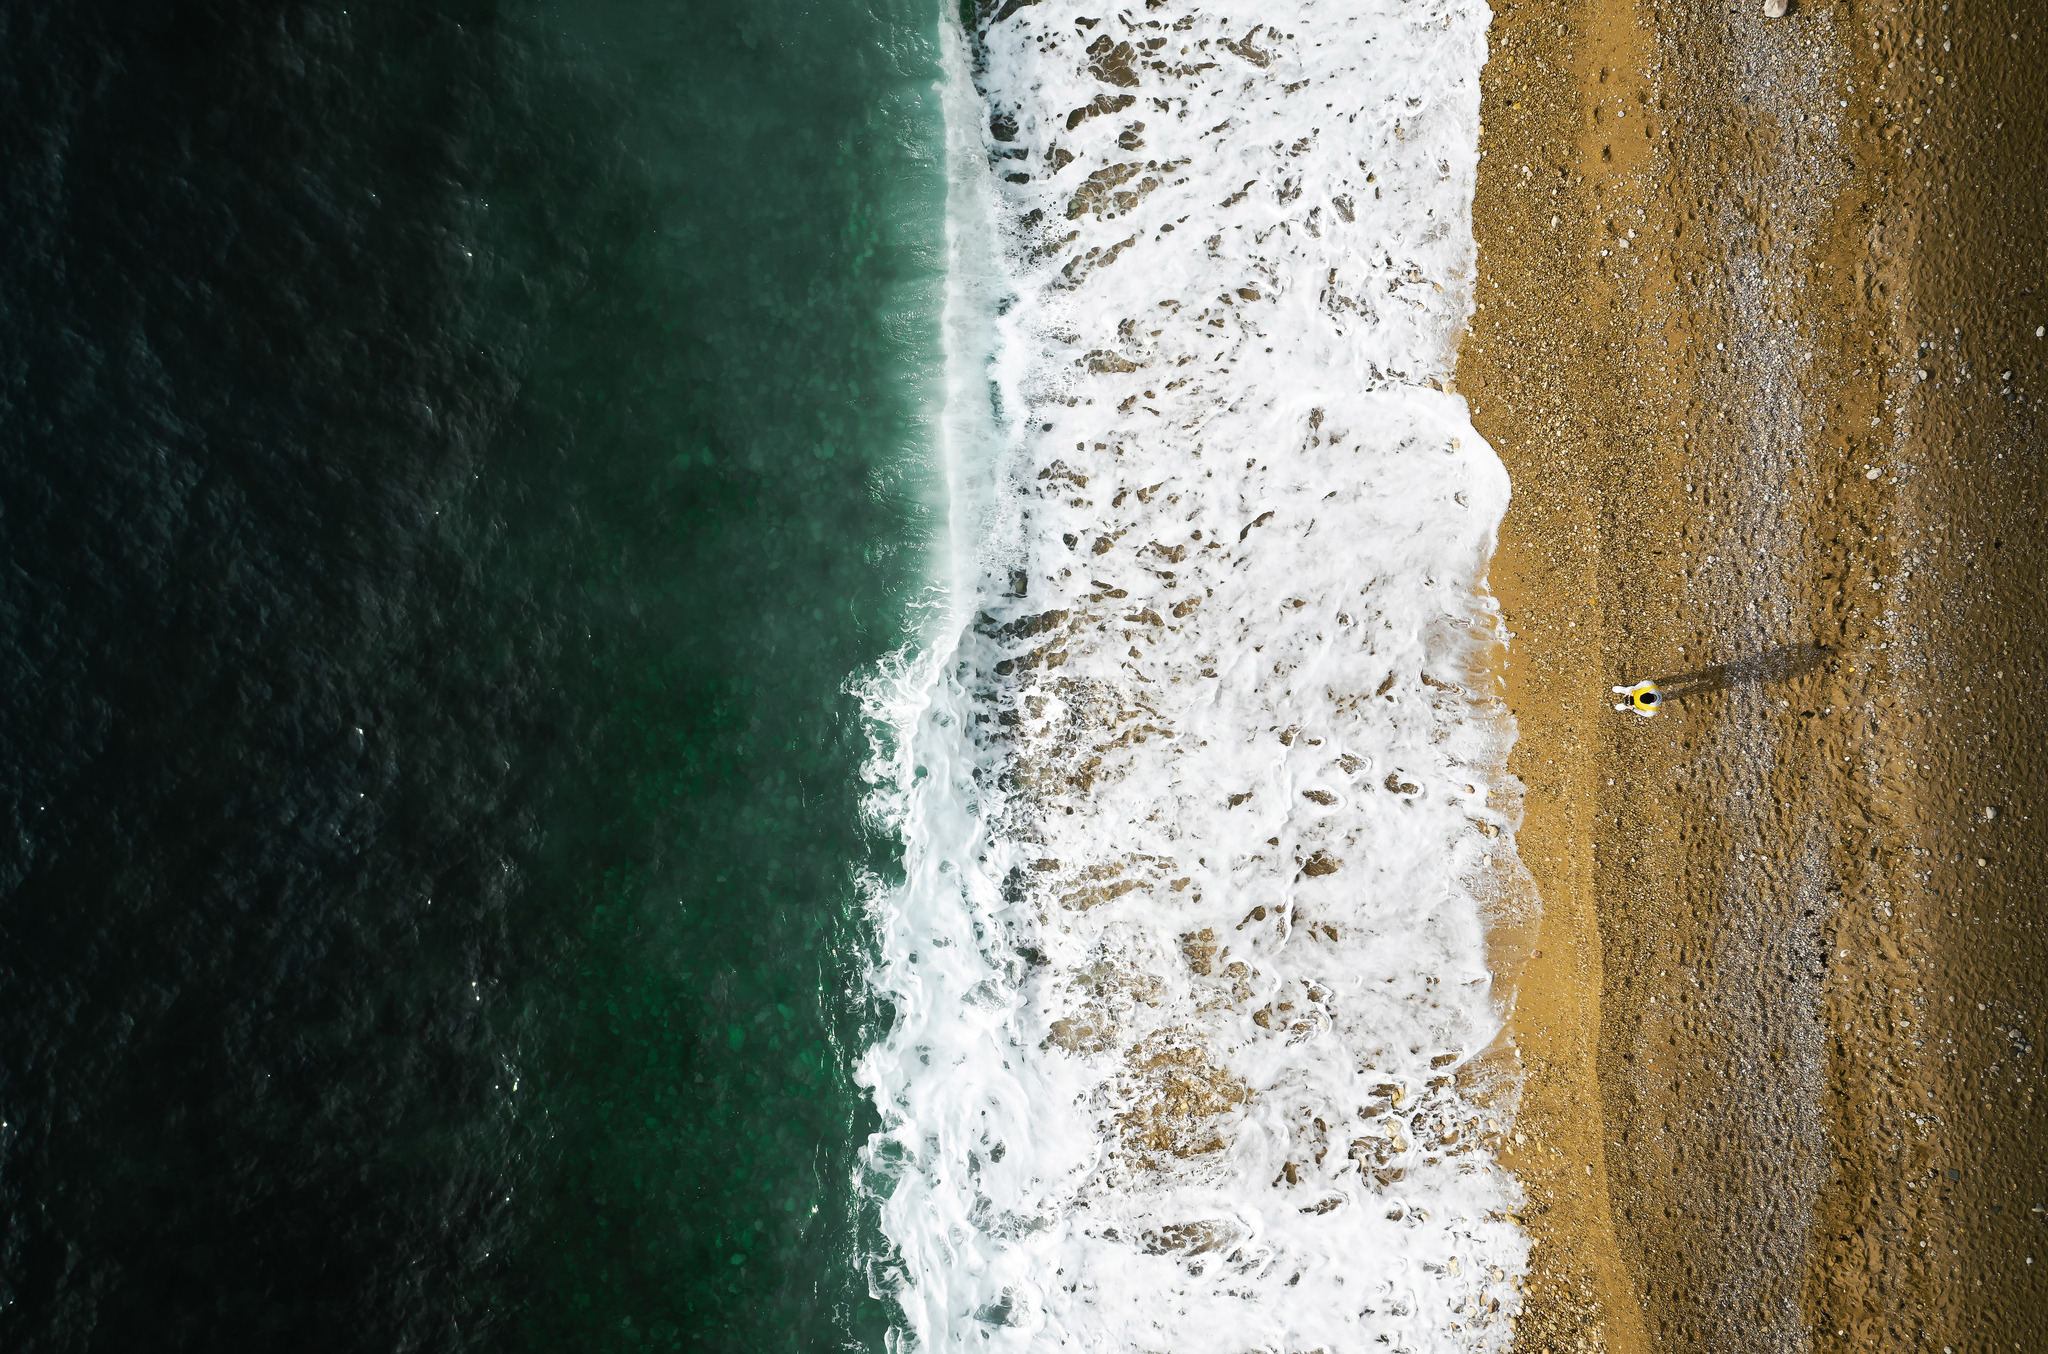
(1775, 9)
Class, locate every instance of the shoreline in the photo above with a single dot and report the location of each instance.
(1189, 960)
(1705, 277)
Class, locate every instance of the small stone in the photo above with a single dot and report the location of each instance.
(1775, 9)
(1872, 473)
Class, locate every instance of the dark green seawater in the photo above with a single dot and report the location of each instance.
(453, 457)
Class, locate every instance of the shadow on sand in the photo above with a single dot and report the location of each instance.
(1781, 664)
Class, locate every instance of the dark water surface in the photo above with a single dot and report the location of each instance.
(452, 456)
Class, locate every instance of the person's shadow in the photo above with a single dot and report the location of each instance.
(1781, 664)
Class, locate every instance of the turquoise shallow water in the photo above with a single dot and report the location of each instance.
(455, 457)
(736, 394)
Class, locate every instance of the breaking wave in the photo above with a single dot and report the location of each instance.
(1200, 775)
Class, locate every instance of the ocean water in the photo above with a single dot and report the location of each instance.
(1202, 783)
(453, 457)
(778, 676)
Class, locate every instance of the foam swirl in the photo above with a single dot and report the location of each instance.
(1203, 808)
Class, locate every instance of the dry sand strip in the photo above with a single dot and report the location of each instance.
(1760, 343)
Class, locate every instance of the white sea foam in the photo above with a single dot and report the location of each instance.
(1201, 794)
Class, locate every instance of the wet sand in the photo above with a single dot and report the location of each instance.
(1757, 341)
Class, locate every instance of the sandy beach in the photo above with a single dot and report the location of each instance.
(1759, 341)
